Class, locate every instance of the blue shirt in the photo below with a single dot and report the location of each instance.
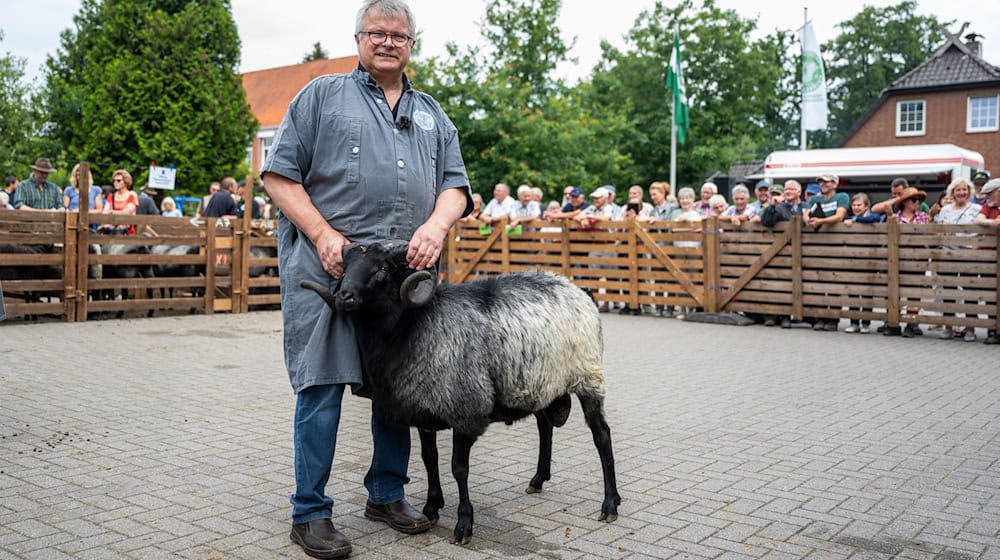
(374, 176)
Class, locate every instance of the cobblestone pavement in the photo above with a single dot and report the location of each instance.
(170, 438)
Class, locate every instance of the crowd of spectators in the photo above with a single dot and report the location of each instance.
(975, 201)
(38, 193)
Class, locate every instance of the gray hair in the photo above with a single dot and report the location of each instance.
(386, 9)
(711, 187)
(686, 191)
(740, 189)
(793, 183)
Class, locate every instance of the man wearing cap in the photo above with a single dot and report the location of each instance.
(980, 178)
(893, 205)
(829, 206)
(762, 192)
(600, 211)
(37, 192)
(576, 203)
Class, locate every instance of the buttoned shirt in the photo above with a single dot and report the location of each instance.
(497, 209)
(47, 197)
(374, 176)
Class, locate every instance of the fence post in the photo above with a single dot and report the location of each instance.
(710, 263)
(246, 239)
(564, 241)
(892, 306)
(633, 264)
(796, 225)
(996, 311)
(505, 246)
(69, 266)
(452, 253)
(83, 243)
(209, 266)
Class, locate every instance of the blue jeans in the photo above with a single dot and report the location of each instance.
(317, 416)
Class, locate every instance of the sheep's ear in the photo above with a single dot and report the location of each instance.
(322, 291)
(397, 252)
(417, 289)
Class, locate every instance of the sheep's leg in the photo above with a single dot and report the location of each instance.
(461, 447)
(429, 453)
(594, 414)
(544, 454)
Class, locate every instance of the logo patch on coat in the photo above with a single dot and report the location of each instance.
(423, 119)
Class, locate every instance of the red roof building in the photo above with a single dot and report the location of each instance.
(951, 98)
(270, 91)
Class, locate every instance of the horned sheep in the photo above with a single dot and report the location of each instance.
(463, 356)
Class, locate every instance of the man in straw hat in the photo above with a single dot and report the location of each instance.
(37, 192)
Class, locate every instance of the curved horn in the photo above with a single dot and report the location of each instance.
(327, 295)
(417, 289)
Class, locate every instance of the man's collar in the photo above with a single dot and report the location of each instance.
(367, 78)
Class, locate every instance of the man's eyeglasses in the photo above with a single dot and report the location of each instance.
(378, 38)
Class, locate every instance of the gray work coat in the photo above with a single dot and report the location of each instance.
(373, 177)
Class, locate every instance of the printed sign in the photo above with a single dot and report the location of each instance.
(162, 177)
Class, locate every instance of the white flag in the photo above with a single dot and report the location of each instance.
(814, 110)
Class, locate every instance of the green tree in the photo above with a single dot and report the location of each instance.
(874, 48)
(151, 80)
(741, 100)
(16, 122)
(317, 53)
(519, 124)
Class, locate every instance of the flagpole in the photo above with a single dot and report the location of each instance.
(802, 120)
(673, 149)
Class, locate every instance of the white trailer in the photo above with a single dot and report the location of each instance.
(929, 167)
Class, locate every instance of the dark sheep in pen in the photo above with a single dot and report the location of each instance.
(543, 342)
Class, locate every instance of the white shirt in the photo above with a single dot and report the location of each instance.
(497, 209)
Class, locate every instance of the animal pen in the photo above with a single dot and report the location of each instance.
(897, 273)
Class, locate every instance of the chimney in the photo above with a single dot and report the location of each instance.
(972, 42)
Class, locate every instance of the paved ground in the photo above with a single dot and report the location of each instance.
(170, 438)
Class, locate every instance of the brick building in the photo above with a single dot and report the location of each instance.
(951, 98)
(270, 91)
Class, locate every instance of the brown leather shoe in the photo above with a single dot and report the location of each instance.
(400, 515)
(319, 539)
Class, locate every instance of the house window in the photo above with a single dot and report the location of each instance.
(982, 114)
(265, 146)
(910, 118)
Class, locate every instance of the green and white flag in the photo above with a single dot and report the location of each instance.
(675, 81)
(814, 109)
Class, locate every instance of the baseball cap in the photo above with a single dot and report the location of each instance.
(990, 186)
(776, 189)
(577, 191)
(981, 176)
(763, 184)
(828, 177)
(812, 188)
(599, 192)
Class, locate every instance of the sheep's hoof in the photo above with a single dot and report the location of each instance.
(609, 509)
(532, 490)
(608, 517)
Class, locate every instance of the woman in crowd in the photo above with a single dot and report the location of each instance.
(477, 210)
(686, 213)
(122, 201)
(71, 195)
(909, 204)
(169, 208)
(961, 211)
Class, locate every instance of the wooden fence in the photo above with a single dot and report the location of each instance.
(897, 273)
(53, 263)
(931, 274)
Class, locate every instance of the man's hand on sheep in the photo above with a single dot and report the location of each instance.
(425, 246)
(330, 247)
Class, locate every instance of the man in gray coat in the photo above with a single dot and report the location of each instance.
(359, 157)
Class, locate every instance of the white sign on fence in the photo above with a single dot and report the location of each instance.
(162, 177)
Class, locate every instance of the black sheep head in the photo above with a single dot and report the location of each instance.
(377, 276)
